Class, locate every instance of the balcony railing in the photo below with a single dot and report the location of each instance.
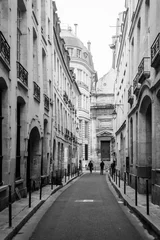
(65, 97)
(46, 102)
(4, 49)
(22, 74)
(130, 96)
(144, 69)
(36, 92)
(155, 52)
(136, 85)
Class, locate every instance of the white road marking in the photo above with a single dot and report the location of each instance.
(88, 200)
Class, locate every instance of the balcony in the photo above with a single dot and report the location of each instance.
(4, 50)
(136, 85)
(36, 91)
(155, 52)
(22, 74)
(65, 97)
(130, 96)
(66, 133)
(144, 69)
(46, 102)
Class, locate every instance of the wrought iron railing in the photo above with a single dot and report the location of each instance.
(130, 96)
(155, 51)
(36, 92)
(136, 84)
(22, 74)
(144, 69)
(4, 48)
(46, 102)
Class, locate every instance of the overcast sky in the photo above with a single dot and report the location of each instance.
(94, 19)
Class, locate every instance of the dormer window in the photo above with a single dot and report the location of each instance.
(85, 55)
(78, 53)
(70, 50)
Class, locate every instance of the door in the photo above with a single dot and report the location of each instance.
(105, 150)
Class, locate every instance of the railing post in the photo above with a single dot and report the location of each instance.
(136, 190)
(10, 206)
(56, 177)
(29, 192)
(119, 179)
(124, 182)
(40, 195)
(147, 196)
(51, 180)
(116, 176)
(65, 175)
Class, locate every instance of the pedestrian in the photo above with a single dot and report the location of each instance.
(102, 167)
(113, 164)
(90, 165)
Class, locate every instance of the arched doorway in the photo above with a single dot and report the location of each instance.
(122, 155)
(145, 141)
(34, 158)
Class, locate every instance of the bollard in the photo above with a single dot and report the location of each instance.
(51, 180)
(40, 193)
(124, 182)
(56, 178)
(10, 206)
(65, 175)
(136, 190)
(147, 196)
(119, 179)
(116, 176)
(29, 193)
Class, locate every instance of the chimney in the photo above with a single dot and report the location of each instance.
(76, 29)
(89, 46)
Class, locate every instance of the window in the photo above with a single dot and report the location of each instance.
(78, 53)
(58, 72)
(18, 34)
(79, 74)
(80, 128)
(80, 101)
(86, 129)
(70, 50)
(54, 60)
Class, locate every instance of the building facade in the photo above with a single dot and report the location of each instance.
(142, 121)
(82, 65)
(31, 117)
(102, 105)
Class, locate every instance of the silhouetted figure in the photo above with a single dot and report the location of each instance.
(102, 167)
(90, 165)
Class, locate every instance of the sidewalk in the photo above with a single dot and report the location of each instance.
(153, 219)
(21, 212)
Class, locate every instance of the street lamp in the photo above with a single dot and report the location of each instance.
(114, 113)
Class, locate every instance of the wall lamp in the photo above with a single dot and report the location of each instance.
(114, 113)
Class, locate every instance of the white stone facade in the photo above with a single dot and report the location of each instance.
(137, 139)
(32, 125)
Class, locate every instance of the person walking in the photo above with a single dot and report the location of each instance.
(90, 165)
(102, 167)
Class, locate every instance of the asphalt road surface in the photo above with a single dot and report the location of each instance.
(87, 210)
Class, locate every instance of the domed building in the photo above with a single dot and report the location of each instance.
(82, 64)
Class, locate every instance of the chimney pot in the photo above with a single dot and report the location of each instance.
(76, 29)
(89, 46)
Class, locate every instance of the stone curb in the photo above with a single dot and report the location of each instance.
(136, 210)
(16, 229)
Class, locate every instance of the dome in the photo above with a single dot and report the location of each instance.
(73, 41)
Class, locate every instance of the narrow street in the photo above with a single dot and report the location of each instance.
(88, 209)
